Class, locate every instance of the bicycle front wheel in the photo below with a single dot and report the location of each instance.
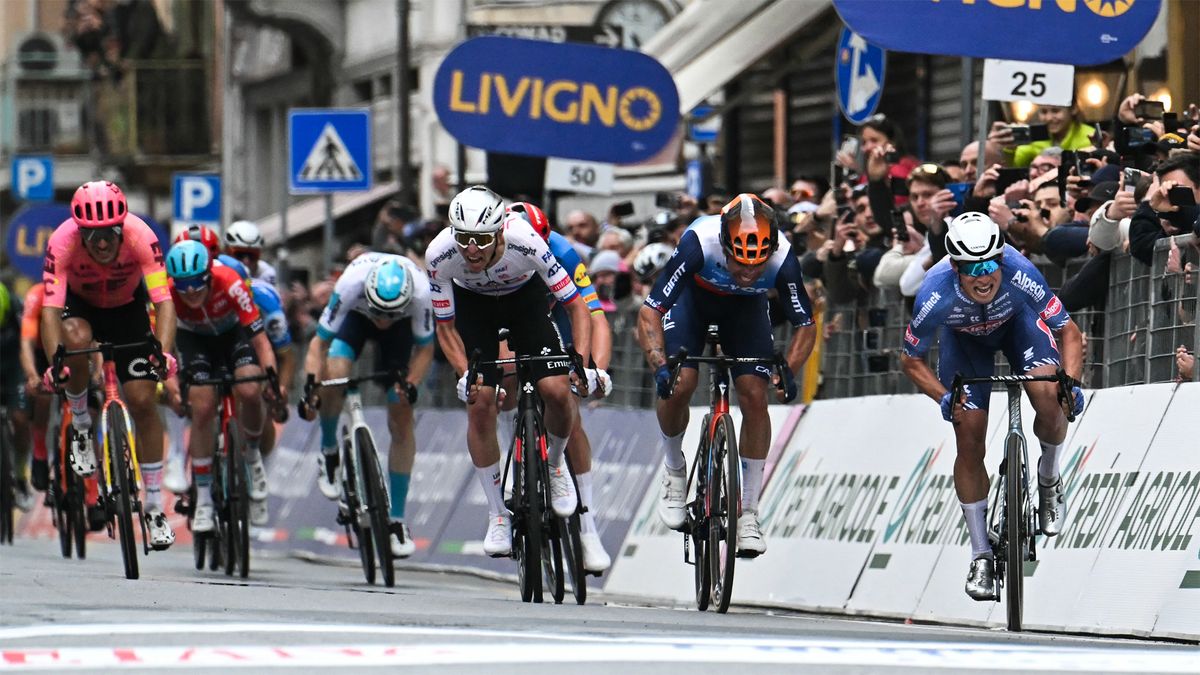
(535, 498)
(1015, 516)
(725, 484)
(377, 505)
(118, 454)
(7, 498)
(77, 514)
(573, 559)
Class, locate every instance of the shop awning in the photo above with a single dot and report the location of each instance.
(309, 213)
(710, 43)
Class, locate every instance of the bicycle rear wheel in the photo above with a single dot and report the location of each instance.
(726, 499)
(377, 505)
(698, 523)
(573, 560)
(534, 499)
(117, 440)
(76, 516)
(241, 509)
(230, 527)
(552, 550)
(1015, 524)
(7, 498)
(366, 547)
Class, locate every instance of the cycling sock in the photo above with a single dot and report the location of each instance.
(152, 478)
(554, 449)
(253, 451)
(39, 444)
(80, 418)
(587, 523)
(1048, 464)
(506, 426)
(976, 515)
(673, 453)
(752, 478)
(489, 479)
(399, 488)
(202, 477)
(329, 440)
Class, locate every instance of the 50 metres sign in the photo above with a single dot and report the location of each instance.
(537, 98)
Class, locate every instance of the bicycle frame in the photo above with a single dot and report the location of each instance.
(354, 408)
(112, 399)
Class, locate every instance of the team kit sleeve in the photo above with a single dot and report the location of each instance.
(335, 311)
(439, 268)
(790, 283)
(552, 271)
(31, 317)
(687, 259)
(928, 312)
(247, 311)
(422, 309)
(1049, 307)
(271, 309)
(54, 268)
(150, 257)
(569, 258)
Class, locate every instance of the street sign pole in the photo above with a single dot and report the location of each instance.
(328, 235)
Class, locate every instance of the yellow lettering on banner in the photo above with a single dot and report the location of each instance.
(37, 248)
(485, 93)
(535, 101)
(653, 112)
(456, 102)
(606, 108)
(1007, 3)
(510, 102)
(552, 110)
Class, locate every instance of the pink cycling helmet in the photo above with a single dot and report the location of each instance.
(98, 204)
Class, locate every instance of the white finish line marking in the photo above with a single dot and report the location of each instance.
(546, 648)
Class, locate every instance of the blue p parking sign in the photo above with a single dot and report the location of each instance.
(197, 199)
(33, 178)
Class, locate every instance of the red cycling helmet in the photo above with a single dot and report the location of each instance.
(535, 216)
(98, 204)
(204, 235)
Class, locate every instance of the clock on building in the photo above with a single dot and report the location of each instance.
(629, 24)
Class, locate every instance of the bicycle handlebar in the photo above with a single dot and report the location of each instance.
(106, 349)
(675, 363)
(383, 376)
(475, 362)
(1065, 383)
(188, 380)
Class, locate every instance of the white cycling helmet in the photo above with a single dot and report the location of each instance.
(243, 235)
(477, 209)
(389, 287)
(973, 237)
(651, 259)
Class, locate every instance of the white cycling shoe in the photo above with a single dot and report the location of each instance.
(83, 458)
(329, 476)
(259, 514)
(497, 543)
(750, 540)
(562, 491)
(672, 507)
(403, 545)
(258, 480)
(202, 519)
(595, 558)
(159, 530)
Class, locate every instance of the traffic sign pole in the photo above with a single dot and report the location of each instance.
(327, 236)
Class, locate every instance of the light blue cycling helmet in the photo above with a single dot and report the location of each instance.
(237, 266)
(187, 259)
(389, 287)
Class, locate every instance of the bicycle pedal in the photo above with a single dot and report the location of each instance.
(747, 555)
(343, 518)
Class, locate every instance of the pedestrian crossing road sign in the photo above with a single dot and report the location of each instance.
(329, 150)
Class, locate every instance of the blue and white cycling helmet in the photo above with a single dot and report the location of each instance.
(973, 237)
(389, 287)
(187, 259)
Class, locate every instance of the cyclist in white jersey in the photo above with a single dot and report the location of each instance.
(369, 302)
(489, 272)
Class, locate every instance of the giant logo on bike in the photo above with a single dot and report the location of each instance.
(529, 97)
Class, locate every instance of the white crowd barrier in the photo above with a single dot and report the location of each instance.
(862, 518)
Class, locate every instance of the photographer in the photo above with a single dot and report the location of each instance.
(1063, 126)
(1168, 210)
(880, 132)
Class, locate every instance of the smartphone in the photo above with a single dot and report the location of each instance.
(1149, 110)
(960, 191)
(849, 145)
(1009, 176)
(622, 209)
(1039, 132)
(667, 200)
(891, 157)
(1181, 196)
(1170, 121)
(1136, 137)
(899, 187)
(1132, 178)
(1021, 134)
(899, 227)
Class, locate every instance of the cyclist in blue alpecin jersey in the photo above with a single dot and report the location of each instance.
(720, 274)
(983, 298)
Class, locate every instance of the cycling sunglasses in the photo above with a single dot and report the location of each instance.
(192, 284)
(978, 269)
(480, 239)
(94, 235)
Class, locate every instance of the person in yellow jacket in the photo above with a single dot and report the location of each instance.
(1067, 131)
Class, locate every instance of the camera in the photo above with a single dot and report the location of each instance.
(667, 200)
(1149, 110)
(622, 209)
(1024, 134)
(1181, 196)
(891, 157)
(1136, 137)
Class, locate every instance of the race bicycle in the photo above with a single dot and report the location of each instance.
(365, 509)
(120, 481)
(8, 486)
(712, 514)
(1012, 516)
(68, 493)
(543, 544)
(230, 487)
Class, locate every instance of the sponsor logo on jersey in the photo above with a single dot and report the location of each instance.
(562, 283)
(441, 257)
(927, 307)
(238, 293)
(527, 250)
(547, 256)
(441, 304)
(983, 328)
(581, 275)
(156, 251)
(909, 337)
(48, 268)
(554, 269)
(1052, 308)
(1029, 285)
(669, 288)
(794, 292)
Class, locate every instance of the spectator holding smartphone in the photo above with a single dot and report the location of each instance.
(880, 132)
(1065, 128)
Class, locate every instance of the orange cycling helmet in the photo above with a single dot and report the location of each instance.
(204, 235)
(98, 204)
(535, 216)
(748, 231)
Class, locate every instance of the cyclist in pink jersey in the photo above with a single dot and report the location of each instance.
(102, 265)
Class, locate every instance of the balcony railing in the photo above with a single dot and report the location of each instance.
(157, 109)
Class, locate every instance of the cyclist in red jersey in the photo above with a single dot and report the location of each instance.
(219, 325)
(101, 266)
(204, 235)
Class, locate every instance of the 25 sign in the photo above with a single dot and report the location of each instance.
(1044, 83)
